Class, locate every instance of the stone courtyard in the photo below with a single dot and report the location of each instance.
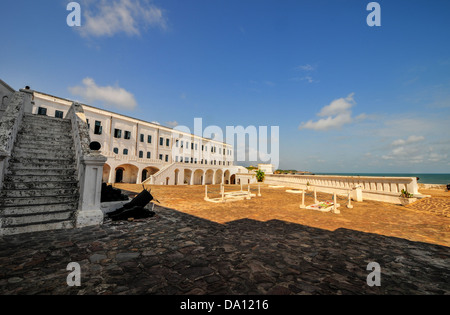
(253, 251)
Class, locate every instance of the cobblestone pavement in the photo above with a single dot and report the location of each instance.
(176, 253)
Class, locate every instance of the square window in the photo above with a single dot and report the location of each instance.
(141, 154)
(117, 133)
(42, 111)
(161, 141)
(127, 135)
(149, 155)
(59, 114)
(141, 138)
(167, 158)
(116, 150)
(125, 151)
(149, 139)
(167, 142)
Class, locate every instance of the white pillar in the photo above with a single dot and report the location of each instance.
(349, 205)
(139, 176)
(112, 177)
(335, 204)
(89, 212)
(302, 206)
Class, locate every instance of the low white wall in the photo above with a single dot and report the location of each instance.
(385, 189)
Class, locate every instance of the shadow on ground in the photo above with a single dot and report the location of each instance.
(176, 253)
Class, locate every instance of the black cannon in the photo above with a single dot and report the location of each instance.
(448, 187)
(135, 208)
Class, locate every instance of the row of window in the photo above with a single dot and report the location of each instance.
(141, 154)
(177, 159)
(194, 146)
(43, 111)
(203, 162)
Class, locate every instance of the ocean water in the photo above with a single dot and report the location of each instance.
(438, 179)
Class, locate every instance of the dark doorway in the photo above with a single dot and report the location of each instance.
(144, 175)
(119, 175)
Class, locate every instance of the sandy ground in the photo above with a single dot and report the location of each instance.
(427, 220)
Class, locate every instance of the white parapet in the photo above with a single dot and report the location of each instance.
(387, 189)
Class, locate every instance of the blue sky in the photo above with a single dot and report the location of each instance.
(347, 97)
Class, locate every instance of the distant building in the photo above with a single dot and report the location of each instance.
(266, 168)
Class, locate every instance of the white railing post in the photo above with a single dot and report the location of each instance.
(90, 170)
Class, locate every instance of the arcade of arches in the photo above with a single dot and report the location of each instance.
(132, 174)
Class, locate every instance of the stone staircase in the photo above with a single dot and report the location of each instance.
(40, 190)
(158, 177)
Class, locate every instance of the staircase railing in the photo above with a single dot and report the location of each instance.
(153, 179)
(10, 123)
(89, 170)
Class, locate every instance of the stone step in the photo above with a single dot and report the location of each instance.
(42, 153)
(10, 221)
(31, 163)
(39, 118)
(27, 121)
(46, 127)
(17, 193)
(8, 211)
(67, 184)
(37, 178)
(37, 228)
(42, 172)
(44, 137)
(34, 201)
(68, 145)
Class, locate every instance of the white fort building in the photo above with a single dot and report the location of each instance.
(138, 151)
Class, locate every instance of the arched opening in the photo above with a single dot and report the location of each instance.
(233, 179)
(106, 172)
(119, 175)
(218, 177)
(167, 181)
(144, 174)
(127, 173)
(209, 177)
(149, 171)
(226, 177)
(187, 177)
(198, 177)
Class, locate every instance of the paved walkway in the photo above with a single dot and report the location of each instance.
(176, 253)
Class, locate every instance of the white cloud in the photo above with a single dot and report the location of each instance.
(109, 95)
(339, 106)
(306, 67)
(108, 18)
(172, 124)
(338, 114)
(409, 140)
